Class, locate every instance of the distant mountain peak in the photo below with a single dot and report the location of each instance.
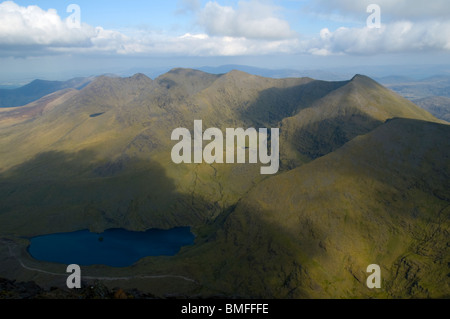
(186, 81)
(37, 89)
(109, 75)
(109, 79)
(237, 75)
(234, 73)
(364, 80)
(361, 77)
(185, 72)
(140, 76)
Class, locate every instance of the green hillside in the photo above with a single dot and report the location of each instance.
(351, 110)
(383, 198)
(99, 158)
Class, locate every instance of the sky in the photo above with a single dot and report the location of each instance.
(57, 39)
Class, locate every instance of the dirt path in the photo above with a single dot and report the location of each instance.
(11, 253)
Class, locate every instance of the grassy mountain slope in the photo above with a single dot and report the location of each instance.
(353, 109)
(119, 128)
(37, 89)
(13, 115)
(99, 158)
(383, 198)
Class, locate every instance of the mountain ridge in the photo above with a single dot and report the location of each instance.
(309, 216)
(99, 158)
(38, 89)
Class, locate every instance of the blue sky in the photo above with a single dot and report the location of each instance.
(172, 15)
(119, 14)
(163, 16)
(113, 36)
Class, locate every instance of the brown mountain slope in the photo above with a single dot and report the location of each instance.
(14, 115)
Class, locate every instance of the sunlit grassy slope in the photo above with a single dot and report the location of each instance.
(383, 198)
(352, 189)
(37, 89)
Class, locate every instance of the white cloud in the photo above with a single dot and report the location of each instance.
(33, 26)
(28, 31)
(202, 44)
(392, 10)
(251, 20)
(33, 31)
(406, 26)
(252, 28)
(403, 36)
(185, 6)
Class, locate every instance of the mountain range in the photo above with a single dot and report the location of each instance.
(364, 179)
(439, 106)
(36, 90)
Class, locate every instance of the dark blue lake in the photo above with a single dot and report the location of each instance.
(114, 247)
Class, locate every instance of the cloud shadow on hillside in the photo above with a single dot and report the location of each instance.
(59, 191)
